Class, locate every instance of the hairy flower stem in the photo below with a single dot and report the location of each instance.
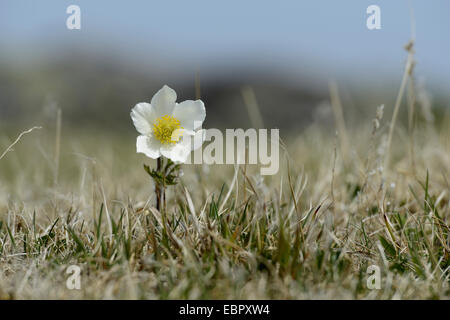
(166, 174)
(158, 190)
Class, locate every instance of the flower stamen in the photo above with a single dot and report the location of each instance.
(167, 129)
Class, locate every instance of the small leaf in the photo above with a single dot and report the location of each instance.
(389, 248)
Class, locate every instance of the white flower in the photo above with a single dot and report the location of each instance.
(168, 128)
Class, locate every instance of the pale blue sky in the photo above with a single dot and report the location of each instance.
(329, 36)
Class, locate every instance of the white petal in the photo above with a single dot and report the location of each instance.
(198, 139)
(149, 146)
(163, 101)
(178, 152)
(143, 116)
(191, 114)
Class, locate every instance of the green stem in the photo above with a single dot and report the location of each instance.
(158, 190)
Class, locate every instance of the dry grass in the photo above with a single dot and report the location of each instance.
(309, 233)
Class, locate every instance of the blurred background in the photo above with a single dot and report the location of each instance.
(280, 55)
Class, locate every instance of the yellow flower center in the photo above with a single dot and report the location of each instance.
(165, 128)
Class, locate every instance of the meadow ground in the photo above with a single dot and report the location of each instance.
(310, 231)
